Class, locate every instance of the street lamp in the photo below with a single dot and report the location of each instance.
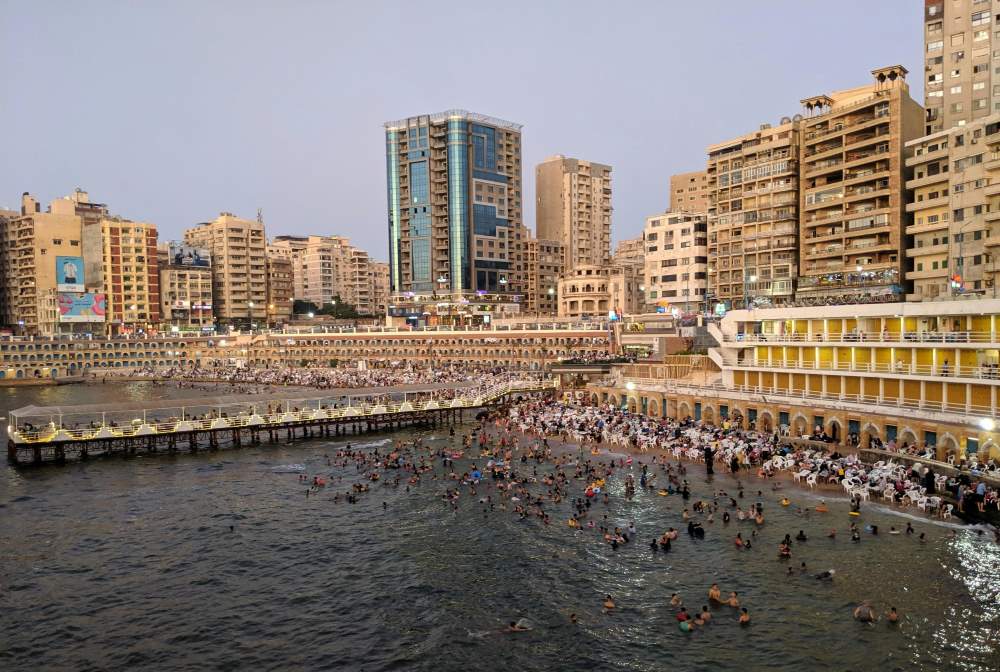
(987, 424)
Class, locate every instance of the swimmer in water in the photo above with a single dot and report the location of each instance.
(516, 626)
(705, 616)
(573, 619)
(675, 600)
(801, 536)
(892, 616)
(865, 613)
(826, 576)
(733, 601)
(609, 604)
(744, 616)
(714, 594)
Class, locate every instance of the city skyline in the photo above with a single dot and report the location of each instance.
(170, 146)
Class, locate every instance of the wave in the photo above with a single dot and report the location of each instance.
(289, 469)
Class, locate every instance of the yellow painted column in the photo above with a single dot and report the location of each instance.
(923, 393)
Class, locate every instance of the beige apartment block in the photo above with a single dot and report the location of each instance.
(594, 291)
(676, 260)
(327, 267)
(852, 197)
(573, 206)
(955, 207)
(753, 194)
(379, 272)
(239, 261)
(689, 192)
(961, 83)
(30, 244)
(186, 296)
(280, 286)
(629, 251)
(545, 261)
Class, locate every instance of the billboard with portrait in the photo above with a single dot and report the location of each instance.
(87, 307)
(69, 274)
(182, 254)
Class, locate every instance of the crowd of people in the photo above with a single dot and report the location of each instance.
(738, 449)
(315, 377)
(522, 462)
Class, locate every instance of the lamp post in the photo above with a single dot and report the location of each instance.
(642, 290)
(249, 314)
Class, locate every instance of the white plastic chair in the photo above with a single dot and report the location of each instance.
(811, 480)
(947, 511)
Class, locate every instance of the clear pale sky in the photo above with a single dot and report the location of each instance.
(171, 112)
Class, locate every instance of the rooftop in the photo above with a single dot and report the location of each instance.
(441, 117)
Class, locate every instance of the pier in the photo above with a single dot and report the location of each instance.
(40, 435)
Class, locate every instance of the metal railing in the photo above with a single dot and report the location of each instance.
(932, 337)
(314, 410)
(980, 372)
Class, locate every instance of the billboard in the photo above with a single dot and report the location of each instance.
(69, 274)
(182, 254)
(81, 307)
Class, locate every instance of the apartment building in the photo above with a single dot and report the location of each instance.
(327, 267)
(280, 287)
(954, 205)
(689, 192)
(752, 215)
(379, 272)
(573, 207)
(675, 272)
(185, 287)
(545, 262)
(239, 260)
(129, 275)
(960, 42)
(454, 206)
(45, 288)
(597, 291)
(629, 251)
(853, 191)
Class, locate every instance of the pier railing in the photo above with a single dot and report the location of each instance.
(234, 416)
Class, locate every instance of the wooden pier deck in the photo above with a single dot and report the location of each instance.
(232, 425)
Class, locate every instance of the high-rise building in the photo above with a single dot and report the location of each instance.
(955, 208)
(129, 275)
(239, 259)
(676, 260)
(454, 204)
(185, 287)
(545, 261)
(379, 271)
(42, 261)
(280, 286)
(629, 251)
(689, 192)
(959, 44)
(853, 190)
(753, 198)
(326, 269)
(573, 207)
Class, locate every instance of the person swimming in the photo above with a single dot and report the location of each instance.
(801, 536)
(705, 614)
(892, 616)
(827, 575)
(733, 600)
(609, 603)
(865, 613)
(675, 600)
(517, 626)
(744, 616)
(714, 594)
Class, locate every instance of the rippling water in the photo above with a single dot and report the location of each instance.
(131, 564)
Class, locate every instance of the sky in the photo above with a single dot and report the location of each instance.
(171, 112)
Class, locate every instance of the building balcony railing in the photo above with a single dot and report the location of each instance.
(975, 372)
(854, 337)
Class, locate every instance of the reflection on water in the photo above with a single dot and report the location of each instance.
(131, 563)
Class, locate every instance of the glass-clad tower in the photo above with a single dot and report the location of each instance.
(454, 205)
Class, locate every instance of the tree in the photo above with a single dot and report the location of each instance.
(300, 307)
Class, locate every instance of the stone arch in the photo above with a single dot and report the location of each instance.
(613, 400)
(683, 410)
(594, 398)
(906, 435)
(945, 444)
(765, 421)
(835, 427)
(800, 425)
(653, 407)
(708, 413)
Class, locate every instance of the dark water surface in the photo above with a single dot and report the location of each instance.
(130, 564)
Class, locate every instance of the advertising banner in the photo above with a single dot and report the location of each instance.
(81, 307)
(69, 274)
(182, 254)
